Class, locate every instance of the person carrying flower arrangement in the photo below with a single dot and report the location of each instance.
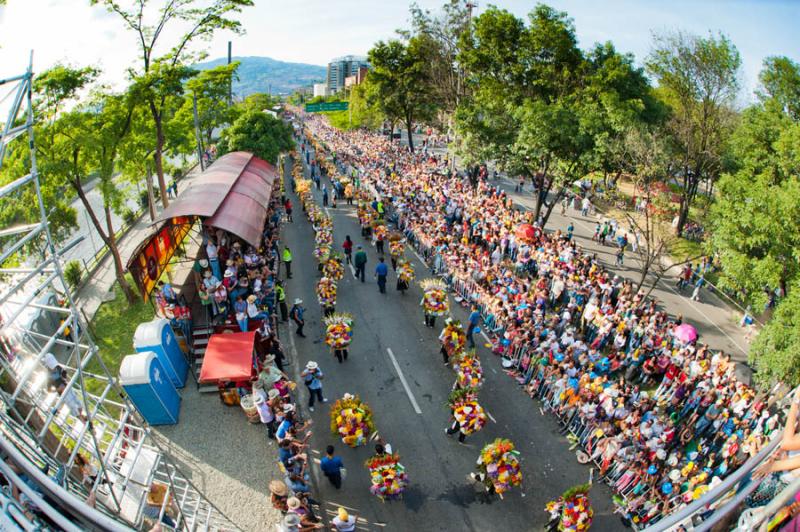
(468, 416)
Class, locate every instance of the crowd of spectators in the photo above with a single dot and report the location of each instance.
(664, 418)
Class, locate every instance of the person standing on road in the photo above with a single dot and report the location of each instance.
(360, 262)
(312, 377)
(381, 271)
(287, 260)
(324, 195)
(474, 320)
(697, 286)
(332, 467)
(348, 249)
(297, 316)
(280, 295)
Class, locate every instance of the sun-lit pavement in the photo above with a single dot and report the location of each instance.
(439, 497)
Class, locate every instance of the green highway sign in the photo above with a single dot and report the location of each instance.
(326, 106)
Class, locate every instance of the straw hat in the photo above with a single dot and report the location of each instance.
(251, 299)
(278, 488)
(288, 407)
(293, 503)
(298, 301)
(259, 399)
(674, 475)
(343, 515)
(582, 457)
(348, 396)
(229, 262)
(273, 393)
(203, 263)
(228, 273)
(312, 365)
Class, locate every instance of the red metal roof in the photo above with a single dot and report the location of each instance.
(231, 194)
(228, 357)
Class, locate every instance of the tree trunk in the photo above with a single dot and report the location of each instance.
(151, 200)
(410, 134)
(130, 296)
(550, 206)
(159, 154)
(110, 242)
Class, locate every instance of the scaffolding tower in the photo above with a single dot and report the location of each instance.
(74, 453)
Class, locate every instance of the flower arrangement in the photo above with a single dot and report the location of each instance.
(453, 337)
(405, 271)
(351, 419)
(470, 415)
(326, 292)
(365, 215)
(500, 462)
(396, 248)
(434, 299)
(381, 232)
(302, 186)
(333, 267)
(573, 509)
(469, 371)
(388, 476)
(339, 331)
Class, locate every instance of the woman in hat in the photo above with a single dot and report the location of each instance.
(307, 519)
(279, 494)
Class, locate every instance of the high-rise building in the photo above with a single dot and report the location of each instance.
(342, 67)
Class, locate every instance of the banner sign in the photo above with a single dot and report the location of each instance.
(154, 255)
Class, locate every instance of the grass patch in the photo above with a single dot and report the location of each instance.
(113, 326)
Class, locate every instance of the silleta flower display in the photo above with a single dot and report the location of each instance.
(434, 298)
(466, 410)
(388, 476)
(339, 330)
(573, 510)
(500, 462)
(351, 420)
(326, 292)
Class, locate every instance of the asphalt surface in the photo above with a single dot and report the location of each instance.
(439, 496)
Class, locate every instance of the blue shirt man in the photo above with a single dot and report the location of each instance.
(474, 320)
(332, 467)
(381, 271)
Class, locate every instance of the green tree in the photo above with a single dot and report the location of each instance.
(541, 109)
(698, 80)
(210, 87)
(151, 21)
(401, 81)
(755, 221)
(775, 352)
(780, 80)
(258, 133)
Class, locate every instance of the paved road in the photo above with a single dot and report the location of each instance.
(439, 497)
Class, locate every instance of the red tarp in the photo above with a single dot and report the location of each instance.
(228, 357)
(232, 194)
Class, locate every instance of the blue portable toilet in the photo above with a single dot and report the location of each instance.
(150, 388)
(157, 336)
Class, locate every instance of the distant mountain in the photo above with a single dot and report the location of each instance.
(256, 74)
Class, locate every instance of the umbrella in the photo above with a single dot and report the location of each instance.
(685, 333)
(526, 232)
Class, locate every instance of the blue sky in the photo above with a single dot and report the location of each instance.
(313, 31)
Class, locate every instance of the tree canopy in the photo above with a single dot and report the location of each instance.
(259, 133)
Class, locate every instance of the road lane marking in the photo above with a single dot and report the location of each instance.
(491, 416)
(404, 382)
